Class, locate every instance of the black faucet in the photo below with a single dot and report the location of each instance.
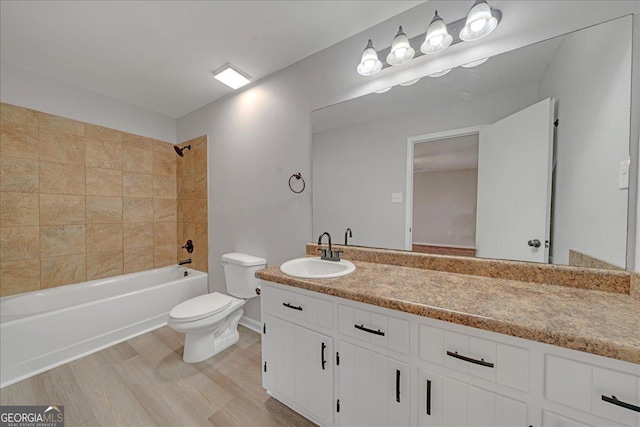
(333, 255)
(347, 234)
(184, 261)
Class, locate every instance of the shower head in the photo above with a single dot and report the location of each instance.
(180, 151)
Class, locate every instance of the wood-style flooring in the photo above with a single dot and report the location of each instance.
(144, 382)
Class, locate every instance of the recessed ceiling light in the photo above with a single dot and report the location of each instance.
(475, 63)
(231, 76)
(410, 82)
(440, 73)
(386, 89)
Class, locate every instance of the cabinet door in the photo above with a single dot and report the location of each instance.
(299, 366)
(443, 401)
(374, 389)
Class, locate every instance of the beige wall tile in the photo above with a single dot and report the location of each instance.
(164, 255)
(18, 243)
(200, 260)
(165, 210)
(60, 124)
(200, 142)
(13, 113)
(164, 163)
(104, 264)
(18, 175)
(137, 160)
(200, 187)
(58, 240)
(137, 235)
(104, 182)
(184, 165)
(186, 210)
(61, 147)
(19, 209)
(200, 162)
(161, 146)
(58, 178)
(185, 187)
(102, 133)
(200, 211)
(104, 237)
(165, 233)
(137, 141)
(17, 277)
(63, 270)
(186, 231)
(137, 185)
(138, 259)
(137, 210)
(104, 210)
(164, 187)
(18, 140)
(201, 234)
(58, 209)
(104, 154)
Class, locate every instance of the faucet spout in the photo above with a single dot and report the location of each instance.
(321, 236)
(333, 255)
(184, 261)
(347, 234)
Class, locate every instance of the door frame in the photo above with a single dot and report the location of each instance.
(411, 142)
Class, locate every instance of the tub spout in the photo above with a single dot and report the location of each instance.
(184, 261)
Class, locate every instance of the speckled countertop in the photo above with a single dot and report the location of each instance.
(602, 323)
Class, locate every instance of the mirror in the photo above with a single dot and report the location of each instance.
(471, 163)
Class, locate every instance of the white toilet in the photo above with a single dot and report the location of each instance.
(210, 322)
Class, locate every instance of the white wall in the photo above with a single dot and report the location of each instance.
(27, 89)
(444, 207)
(592, 139)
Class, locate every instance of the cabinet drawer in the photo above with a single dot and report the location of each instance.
(298, 306)
(549, 419)
(378, 329)
(609, 394)
(501, 363)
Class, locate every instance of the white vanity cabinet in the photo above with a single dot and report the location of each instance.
(341, 362)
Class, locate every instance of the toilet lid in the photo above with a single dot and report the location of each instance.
(201, 307)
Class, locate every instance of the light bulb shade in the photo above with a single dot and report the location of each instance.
(369, 64)
(438, 38)
(401, 50)
(480, 22)
(440, 73)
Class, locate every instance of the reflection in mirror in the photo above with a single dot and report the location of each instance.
(471, 163)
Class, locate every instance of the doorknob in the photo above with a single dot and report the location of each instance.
(535, 243)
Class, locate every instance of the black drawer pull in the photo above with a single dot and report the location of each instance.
(398, 385)
(371, 331)
(322, 359)
(294, 307)
(480, 362)
(617, 402)
(428, 397)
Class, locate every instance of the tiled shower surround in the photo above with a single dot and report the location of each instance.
(81, 202)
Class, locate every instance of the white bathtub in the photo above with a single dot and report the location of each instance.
(44, 329)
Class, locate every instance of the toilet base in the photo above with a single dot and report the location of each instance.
(202, 345)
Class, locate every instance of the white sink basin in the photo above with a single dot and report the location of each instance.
(316, 268)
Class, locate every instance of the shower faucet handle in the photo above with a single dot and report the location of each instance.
(188, 246)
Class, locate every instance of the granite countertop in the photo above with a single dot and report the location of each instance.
(597, 322)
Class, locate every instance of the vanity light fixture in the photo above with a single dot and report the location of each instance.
(232, 76)
(401, 50)
(410, 82)
(475, 63)
(386, 89)
(438, 38)
(369, 64)
(440, 73)
(480, 22)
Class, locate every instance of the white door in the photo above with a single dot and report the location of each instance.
(514, 185)
(374, 389)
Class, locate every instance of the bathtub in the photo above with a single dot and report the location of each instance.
(44, 329)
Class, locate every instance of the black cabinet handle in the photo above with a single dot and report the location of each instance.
(480, 362)
(322, 359)
(428, 397)
(398, 385)
(371, 331)
(620, 403)
(294, 307)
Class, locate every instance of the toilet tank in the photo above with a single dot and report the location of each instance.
(239, 273)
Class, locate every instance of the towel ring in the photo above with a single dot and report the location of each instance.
(297, 176)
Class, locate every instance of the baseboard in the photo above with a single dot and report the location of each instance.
(252, 324)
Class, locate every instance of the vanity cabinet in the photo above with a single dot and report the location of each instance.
(342, 362)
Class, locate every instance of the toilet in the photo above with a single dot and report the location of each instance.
(210, 322)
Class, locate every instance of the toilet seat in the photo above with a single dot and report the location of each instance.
(200, 307)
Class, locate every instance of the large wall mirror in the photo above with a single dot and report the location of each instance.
(522, 157)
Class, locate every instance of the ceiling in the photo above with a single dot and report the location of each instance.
(159, 54)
